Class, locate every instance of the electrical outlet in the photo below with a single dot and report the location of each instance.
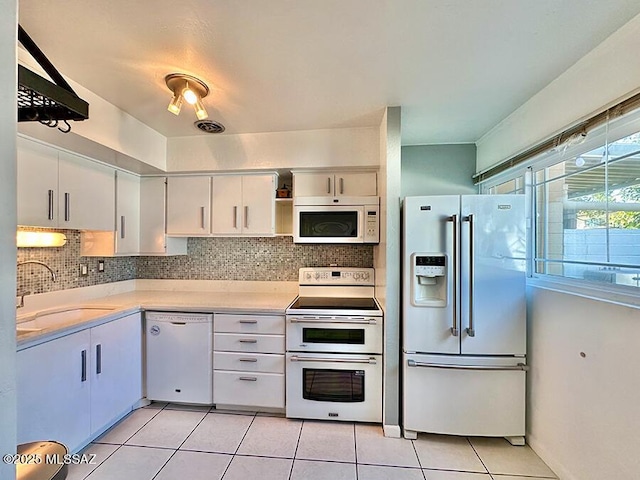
(84, 269)
(101, 266)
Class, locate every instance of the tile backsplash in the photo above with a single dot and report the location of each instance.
(219, 258)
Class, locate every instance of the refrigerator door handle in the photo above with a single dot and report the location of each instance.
(519, 366)
(471, 331)
(454, 322)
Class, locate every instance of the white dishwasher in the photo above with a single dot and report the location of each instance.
(179, 357)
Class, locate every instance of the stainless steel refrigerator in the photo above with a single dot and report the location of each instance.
(463, 315)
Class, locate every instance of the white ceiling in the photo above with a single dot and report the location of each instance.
(456, 67)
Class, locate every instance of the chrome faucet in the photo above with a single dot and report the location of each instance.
(54, 277)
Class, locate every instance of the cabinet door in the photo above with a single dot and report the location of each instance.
(313, 184)
(258, 210)
(353, 184)
(37, 184)
(127, 213)
(226, 204)
(116, 369)
(53, 398)
(153, 202)
(188, 205)
(87, 194)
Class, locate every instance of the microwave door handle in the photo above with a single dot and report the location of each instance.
(296, 358)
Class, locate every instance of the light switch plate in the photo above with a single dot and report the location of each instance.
(101, 266)
(84, 269)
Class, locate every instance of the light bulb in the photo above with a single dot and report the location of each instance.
(175, 105)
(201, 112)
(189, 95)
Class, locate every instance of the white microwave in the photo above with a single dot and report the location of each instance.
(336, 223)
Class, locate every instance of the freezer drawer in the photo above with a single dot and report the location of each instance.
(475, 396)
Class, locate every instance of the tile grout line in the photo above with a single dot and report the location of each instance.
(233, 456)
(185, 439)
(295, 452)
(478, 455)
(120, 445)
(424, 475)
(355, 448)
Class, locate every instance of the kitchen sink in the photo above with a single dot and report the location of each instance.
(62, 317)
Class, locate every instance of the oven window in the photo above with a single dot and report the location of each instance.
(324, 385)
(329, 224)
(333, 335)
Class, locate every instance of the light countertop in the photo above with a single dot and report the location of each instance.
(116, 306)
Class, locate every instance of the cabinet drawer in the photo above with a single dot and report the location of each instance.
(249, 389)
(249, 362)
(273, 324)
(233, 342)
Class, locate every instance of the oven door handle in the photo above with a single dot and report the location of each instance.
(356, 321)
(296, 358)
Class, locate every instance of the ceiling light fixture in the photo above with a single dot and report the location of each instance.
(189, 89)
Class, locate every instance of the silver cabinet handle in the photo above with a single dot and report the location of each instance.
(122, 226)
(98, 359)
(235, 216)
(83, 374)
(247, 321)
(454, 323)
(202, 217)
(247, 340)
(328, 184)
(248, 379)
(519, 366)
(50, 206)
(341, 186)
(296, 358)
(250, 360)
(470, 329)
(246, 217)
(344, 321)
(67, 206)
(178, 323)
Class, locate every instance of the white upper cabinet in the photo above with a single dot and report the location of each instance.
(334, 184)
(59, 189)
(86, 200)
(127, 213)
(243, 204)
(153, 240)
(189, 205)
(37, 184)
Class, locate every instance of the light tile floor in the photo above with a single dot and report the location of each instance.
(170, 442)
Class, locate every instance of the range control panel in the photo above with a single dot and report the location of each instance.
(336, 276)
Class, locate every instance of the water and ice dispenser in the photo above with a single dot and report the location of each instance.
(429, 285)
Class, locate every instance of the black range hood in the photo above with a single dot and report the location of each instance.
(44, 101)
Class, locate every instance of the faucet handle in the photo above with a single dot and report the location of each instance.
(22, 295)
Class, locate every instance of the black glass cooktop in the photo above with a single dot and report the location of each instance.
(333, 303)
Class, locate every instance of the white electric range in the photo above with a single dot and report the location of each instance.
(334, 346)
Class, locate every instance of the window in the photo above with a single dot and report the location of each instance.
(587, 213)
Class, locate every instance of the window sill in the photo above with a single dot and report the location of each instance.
(620, 295)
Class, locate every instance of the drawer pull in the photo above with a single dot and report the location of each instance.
(247, 340)
(248, 321)
(251, 360)
(249, 379)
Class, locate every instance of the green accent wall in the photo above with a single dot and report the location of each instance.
(438, 170)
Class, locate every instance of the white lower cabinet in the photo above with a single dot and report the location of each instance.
(72, 388)
(248, 360)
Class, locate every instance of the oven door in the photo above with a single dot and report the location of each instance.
(334, 387)
(328, 224)
(306, 333)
